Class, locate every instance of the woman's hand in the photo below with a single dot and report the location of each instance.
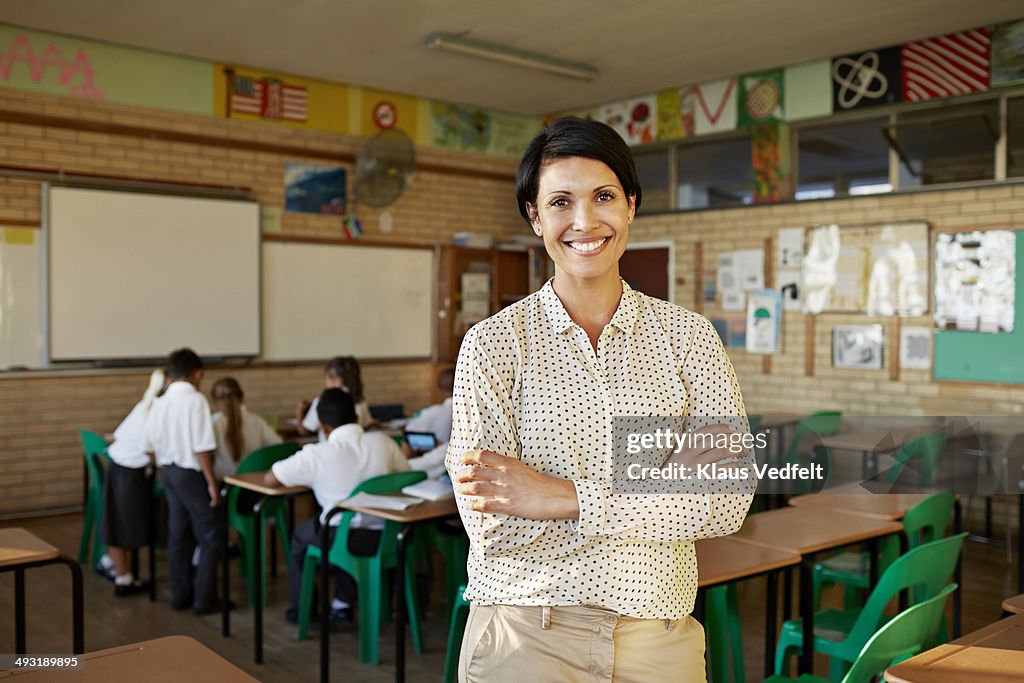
(706, 451)
(504, 485)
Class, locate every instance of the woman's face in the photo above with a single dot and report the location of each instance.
(332, 381)
(583, 214)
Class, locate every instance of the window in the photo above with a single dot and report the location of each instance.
(652, 168)
(1015, 137)
(713, 174)
(950, 145)
(842, 159)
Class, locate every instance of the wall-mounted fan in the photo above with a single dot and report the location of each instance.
(383, 168)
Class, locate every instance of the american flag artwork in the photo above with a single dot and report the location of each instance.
(943, 66)
(268, 98)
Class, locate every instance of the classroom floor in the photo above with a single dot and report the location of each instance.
(110, 621)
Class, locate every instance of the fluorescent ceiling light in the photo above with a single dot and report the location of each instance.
(499, 53)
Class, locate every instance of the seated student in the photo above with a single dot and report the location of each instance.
(437, 420)
(179, 432)
(332, 469)
(128, 521)
(342, 372)
(237, 431)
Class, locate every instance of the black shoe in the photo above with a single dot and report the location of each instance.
(212, 607)
(136, 586)
(341, 620)
(108, 574)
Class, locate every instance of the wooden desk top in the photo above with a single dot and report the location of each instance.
(888, 506)
(780, 419)
(18, 546)
(1014, 605)
(807, 530)
(253, 481)
(428, 509)
(720, 560)
(993, 653)
(164, 660)
(873, 440)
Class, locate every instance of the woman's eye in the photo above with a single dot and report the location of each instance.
(605, 197)
(561, 201)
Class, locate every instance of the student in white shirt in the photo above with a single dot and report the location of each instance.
(437, 420)
(341, 372)
(179, 432)
(128, 521)
(237, 431)
(332, 469)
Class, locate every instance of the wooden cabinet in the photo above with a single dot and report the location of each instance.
(497, 278)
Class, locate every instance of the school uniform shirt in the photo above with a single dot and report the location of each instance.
(128, 448)
(333, 468)
(431, 462)
(436, 419)
(256, 434)
(529, 385)
(179, 426)
(311, 422)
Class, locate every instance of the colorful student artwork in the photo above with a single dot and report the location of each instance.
(714, 109)
(1007, 55)
(819, 268)
(915, 348)
(314, 189)
(738, 333)
(769, 143)
(636, 120)
(462, 128)
(761, 98)
(268, 98)
(866, 79)
(511, 133)
(69, 67)
(676, 114)
(764, 314)
(944, 66)
(975, 280)
(898, 279)
(857, 346)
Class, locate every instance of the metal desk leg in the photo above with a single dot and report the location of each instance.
(807, 613)
(958, 572)
(325, 601)
(225, 568)
(1020, 543)
(787, 594)
(400, 615)
(770, 623)
(77, 609)
(19, 611)
(257, 579)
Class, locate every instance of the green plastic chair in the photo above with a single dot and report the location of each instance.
(842, 634)
(94, 449)
(368, 571)
(244, 524)
(905, 635)
(822, 423)
(456, 628)
(923, 523)
(723, 633)
(922, 453)
(453, 545)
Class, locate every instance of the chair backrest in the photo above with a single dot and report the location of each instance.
(381, 484)
(94, 450)
(261, 459)
(822, 423)
(922, 454)
(926, 569)
(928, 520)
(905, 635)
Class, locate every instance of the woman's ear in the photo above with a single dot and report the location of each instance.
(531, 211)
(632, 208)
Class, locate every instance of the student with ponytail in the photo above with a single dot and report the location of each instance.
(237, 431)
(342, 372)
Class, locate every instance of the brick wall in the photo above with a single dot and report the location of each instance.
(40, 459)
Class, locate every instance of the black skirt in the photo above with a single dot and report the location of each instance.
(127, 507)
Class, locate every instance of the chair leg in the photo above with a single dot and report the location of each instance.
(371, 601)
(87, 523)
(412, 605)
(735, 635)
(460, 613)
(309, 571)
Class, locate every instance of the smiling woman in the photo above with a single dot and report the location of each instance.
(569, 579)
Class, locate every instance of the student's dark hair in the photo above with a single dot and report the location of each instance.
(227, 398)
(182, 363)
(575, 137)
(347, 368)
(446, 380)
(336, 408)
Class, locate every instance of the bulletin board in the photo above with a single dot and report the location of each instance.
(21, 336)
(981, 356)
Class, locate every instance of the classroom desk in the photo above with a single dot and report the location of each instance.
(1014, 605)
(806, 532)
(163, 660)
(992, 653)
(21, 550)
(421, 512)
(251, 481)
(873, 442)
(723, 560)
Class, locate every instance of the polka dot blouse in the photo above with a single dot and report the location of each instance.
(529, 385)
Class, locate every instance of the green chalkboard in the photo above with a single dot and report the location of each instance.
(985, 357)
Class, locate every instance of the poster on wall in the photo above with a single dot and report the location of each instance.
(866, 79)
(749, 268)
(898, 278)
(915, 348)
(1008, 53)
(714, 106)
(760, 98)
(314, 189)
(636, 120)
(454, 126)
(764, 314)
(975, 280)
(857, 347)
(789, 248)
(676, 114)
(944, 66)
(788, 286)
(819, 268)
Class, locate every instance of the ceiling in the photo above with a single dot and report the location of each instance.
(638, 46)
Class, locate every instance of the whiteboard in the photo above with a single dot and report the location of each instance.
(21, 335)
(324, 300)
(136, 275)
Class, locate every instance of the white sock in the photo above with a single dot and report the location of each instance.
(124, 579)
(338, 604)
(106, 561)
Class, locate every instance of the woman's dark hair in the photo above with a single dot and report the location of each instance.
(575, 137)
(346, 368)
(227, 398)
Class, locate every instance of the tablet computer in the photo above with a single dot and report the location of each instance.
(421, 441)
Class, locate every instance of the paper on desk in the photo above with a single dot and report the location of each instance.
(372, 500)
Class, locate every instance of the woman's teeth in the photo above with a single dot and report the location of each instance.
(588, 246)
